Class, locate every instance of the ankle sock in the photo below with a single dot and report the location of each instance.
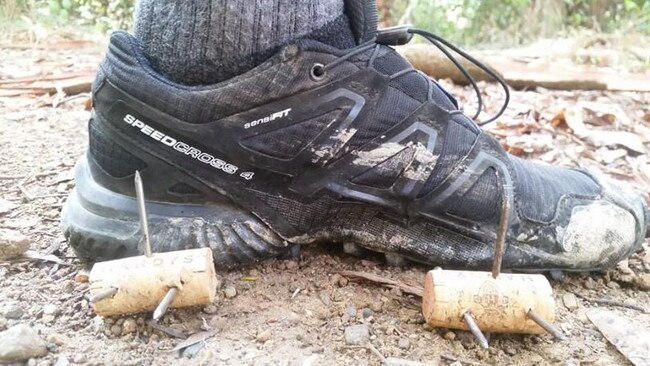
(198, 42)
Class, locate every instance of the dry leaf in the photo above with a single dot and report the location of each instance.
(608, 156)
(630, 336)
(195, 338)
(605, 114)
(574, 119)
(617, 138)
(559, 120)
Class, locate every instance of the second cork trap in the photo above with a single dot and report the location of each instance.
(490, 302)
(153, 281)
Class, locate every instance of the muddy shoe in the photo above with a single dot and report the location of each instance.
(322, 144)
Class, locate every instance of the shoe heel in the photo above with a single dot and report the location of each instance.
(102, 225)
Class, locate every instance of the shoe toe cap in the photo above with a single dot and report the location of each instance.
(598, 234)
(607, 230)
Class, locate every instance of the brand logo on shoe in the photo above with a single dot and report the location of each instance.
(267, 119)
(183, 148)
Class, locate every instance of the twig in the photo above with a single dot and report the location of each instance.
(167, 330)
(28, 196)
(54, 195)
(376, 352)
(11, 177)
(413, 290)
(608, 302)
(56, 104)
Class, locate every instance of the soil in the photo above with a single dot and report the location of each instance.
(289, 312)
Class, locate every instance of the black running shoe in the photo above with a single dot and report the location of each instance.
(322, 144)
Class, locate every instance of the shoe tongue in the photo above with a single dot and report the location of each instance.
(363, 16)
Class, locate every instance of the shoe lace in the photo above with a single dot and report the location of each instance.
(401, 35)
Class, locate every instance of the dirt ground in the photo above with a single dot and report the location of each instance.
(294, 312)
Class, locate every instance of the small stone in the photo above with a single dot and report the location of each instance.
(62, 361)
(57, 339)
(291, 265)
(13, 312)
(210, 309)
(50, 309)
(325, 298)
(323, 313)
(129, 326)
(82, 276)
(590, 284)
(21, 343)
(44, 363)
(48, 319)
(366, 313)
(570, 301)
(6, 206)
(613, 285)
(450, 336)
(642, 281)
(230, 292)
(334, 280)
(343, 282)
(357, 335)
(12, 244)
(377, 306)
(263, 336)
(511, 351)
(116, 330)
(404, 343)
(351, 311)
(79, 358)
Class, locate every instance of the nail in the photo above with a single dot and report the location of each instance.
(103, 295)
(545, 325)
(500, 244)
(142, 211)
(164, 304)
(476, 331)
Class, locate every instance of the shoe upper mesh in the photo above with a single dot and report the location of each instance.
(481, 201)
(114, 159)
(540, 187)
(287, 142)
(457, 143)
(386, 173)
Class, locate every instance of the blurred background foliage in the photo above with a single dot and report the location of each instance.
(473, 23)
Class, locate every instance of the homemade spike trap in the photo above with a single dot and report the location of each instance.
(153, 281)
(490, 302)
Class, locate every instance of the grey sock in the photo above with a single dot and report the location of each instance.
(206, 41)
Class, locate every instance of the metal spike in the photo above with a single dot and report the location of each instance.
(500, 244)
(103, 295)
(142, 211)
(164, 304)
(550, 328)
(476, 331)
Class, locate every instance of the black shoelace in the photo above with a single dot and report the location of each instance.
(402, 35)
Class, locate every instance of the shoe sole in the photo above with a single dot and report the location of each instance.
(102, 225)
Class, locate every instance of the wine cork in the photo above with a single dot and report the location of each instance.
(498, 305)
(142, 282)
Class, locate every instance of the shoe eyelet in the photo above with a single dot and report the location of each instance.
(317, 72)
